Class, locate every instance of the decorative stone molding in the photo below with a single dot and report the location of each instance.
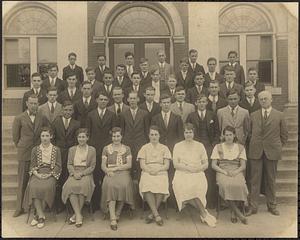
(99, 39)
(274, 90)
(281, 36)
(179, 39)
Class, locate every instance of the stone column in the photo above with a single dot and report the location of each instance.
(72, 33)
(204, 30)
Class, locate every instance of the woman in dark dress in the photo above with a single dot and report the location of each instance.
(117, 187)
(45, 169)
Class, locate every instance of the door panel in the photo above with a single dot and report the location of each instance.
(151, 51)
(119, 50)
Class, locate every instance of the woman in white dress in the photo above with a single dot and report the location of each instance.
(189, 183)
(154, 160)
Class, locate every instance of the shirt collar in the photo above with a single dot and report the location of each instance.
(121, 105)
(233, 64)
(103, 110)
(234, 110)
(199, 112)
(74, 90)
(93, 81)
(72, 66)
(38, 90)
(149, 104)
(268, 110)
(50, 104)
(135, 110)
(88, 99)
(29, 113)
(46, 148)
(163, 113)
(212, 75)
(178, 104)
(64, 119)
(211, 98)
(162, 64)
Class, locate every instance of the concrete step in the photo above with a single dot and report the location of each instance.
(288, 163)
(287, 172)
(7, 139)
(292, 143)
(8, 147)
(10, 166)
(292, 126)
(286, 185)
(10, 175)
(287, 198)
(9, 188)
(9, 202)
(290, 151)
(293, 134)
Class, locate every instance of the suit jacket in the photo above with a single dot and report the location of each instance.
(211, 124)
(188, 82)
(135, 132)
(64, 96)
(192, 94)
(59, 84)
(99, 74)
(126, 83)
(45, 110)
(146, 80)
(63, 138)
(140, 93)
(99, 129)
(118, 116)
(164, 72)
(108, 94)
(96, 88)
(167, 90)
(42, 97)
(26, 135)
(126, 73)
(155, 109)
(245, 104)
(187, 109)
(259, 86)
(219, 78)
(198, 68)
(81, 112)
(241, 122)
(239, 72)
(78, 71)
(220, 104)
(236, 86)
(90, 161)
(267, 136)
(171, 134)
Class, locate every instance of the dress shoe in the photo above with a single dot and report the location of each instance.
(274, 211)
(17, 213)
(159, 220)
(113, 225)
(251, 211)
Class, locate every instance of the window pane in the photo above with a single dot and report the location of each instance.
(226, 44)
(119, 51)
(265, 70)
(47, 50)
(151, 50)
(17, 75)
(17, 51)
(259, 47)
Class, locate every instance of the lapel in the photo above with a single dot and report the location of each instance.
(162, 123)
(230, 118)
(197, 118)
(27, 118)
(37, 121)
(70, 127)
(99, 121)
(270, 118)
(138, 116)
(105, 117)
(208, 117)
(47, 111)
(62, 126)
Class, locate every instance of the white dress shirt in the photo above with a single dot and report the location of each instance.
(199, 88)
(101, 110)
(251, 100)
(268, 111)
(232, 64)
(149, 106)
(204, 113)
(229, 84)
(211, 98)
(156, 85)
(183, 75)
(32, 117)
(168, 116)
(192, 64)
(108, 88)
(234, 110)
(117, 106)
(68, 120)
(162, 65)
(36, 91)
(133, 111)
(50, 104)
(73, 90)
(212, 75)
(52, 79)
(88, 99)
(72, 66)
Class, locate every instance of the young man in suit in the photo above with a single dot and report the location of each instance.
(100, 121)
(268, 134)
(185, 77)
(121, 80)
(145, 74)
(170, 89)
(136, 86)
(207, 132)
(171, 132)
(165, 69)
(85, 104)
(215, 101)
(181, 107)
(156, 83)
(250, 102)
(238, 69)
(135, 126)
(71, 93)
(64, 132)
(53, 80)
(192, 93)
(212, 74)
(52, 108)
(235, 116)
(253, 77)
(36, 81)
(194, 67)
(230, 83)
(99, 70)
(149, 105)
(129, 63)
(108, 86)
(91, 77)
(26, 132)
(73, 68)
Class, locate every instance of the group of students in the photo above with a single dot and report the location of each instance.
(175, 135)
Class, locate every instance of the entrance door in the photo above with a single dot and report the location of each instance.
(141, 48)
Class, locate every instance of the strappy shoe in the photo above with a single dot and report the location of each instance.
(209, 219)
(34, 221)
(233, 218)
(41, 223)
(159, 220)
(79, 223)
(149, 219)
(72, 220)
(113, 225)
(244, 220)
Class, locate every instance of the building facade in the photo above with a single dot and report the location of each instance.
(38, 33)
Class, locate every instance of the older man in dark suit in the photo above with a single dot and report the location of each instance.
(100, 121)
(73, 68)
(215, 101)
(149, 105)
(52, 79)
(26, 132)
(99, 70)
(71, 93)
(268, 134)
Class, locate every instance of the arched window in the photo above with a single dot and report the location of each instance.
(29, 44)
(247, 30)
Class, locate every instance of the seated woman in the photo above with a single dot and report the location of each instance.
(189, 183)
(117, 187)
(229, 161)
(79, 186)
(45, 169)
(154, 160)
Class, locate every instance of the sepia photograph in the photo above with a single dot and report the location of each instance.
(149, 119)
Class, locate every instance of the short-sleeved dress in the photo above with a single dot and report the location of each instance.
(187, 185)
(120, 186)
(82, 160)
(230, 188)
(154, 154)
(44, 160)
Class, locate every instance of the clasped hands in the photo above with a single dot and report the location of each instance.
(231, 173)
(42, 175)
(154, 169)
(110, 171)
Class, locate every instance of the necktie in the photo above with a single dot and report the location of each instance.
(52, 108)
(266, 115)
(214, 104)
(101, 113)
(180, 107)
(172, 92)
(119, 109)
(102, 69)
(133, 114)
(251, 102)
(107, 89)
(166, 120)
(66, 123)
(232, 112)
(52, 82)
(86, 103)
(202, 115)
(193, 66)
(135, 88)
(71, 94)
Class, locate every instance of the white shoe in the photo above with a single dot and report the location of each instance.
(209, 219)
(34, 221)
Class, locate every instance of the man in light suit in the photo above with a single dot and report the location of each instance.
(53, 80)
(212, 74)
(129, 63)
(184, 77)
(149, 105)
(52, 108)
(26, 132)
(194, 67)
(268, 134)
(165, 69)
(91, 77)
(99, 70)
(253, 77)
(170, 89)
(181, 107)
(238, 69)
(73, 68)
(193, 93)
(235, 116)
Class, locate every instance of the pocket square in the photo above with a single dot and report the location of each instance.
(211, 121)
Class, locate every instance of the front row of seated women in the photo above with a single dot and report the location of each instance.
(189, 183)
